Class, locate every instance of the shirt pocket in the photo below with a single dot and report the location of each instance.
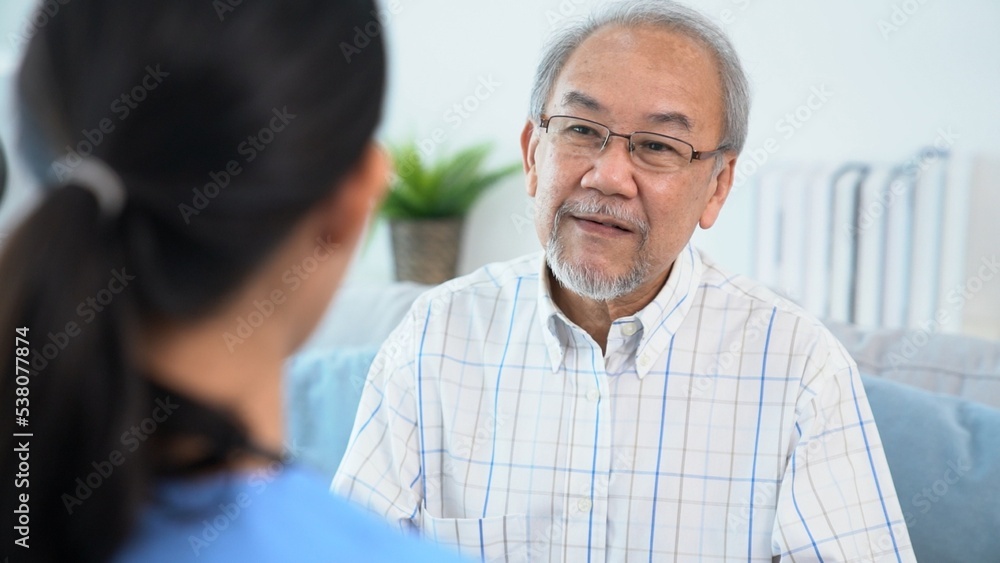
(497, 539)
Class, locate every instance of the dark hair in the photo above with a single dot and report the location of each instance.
(168, 95)
(3, 172)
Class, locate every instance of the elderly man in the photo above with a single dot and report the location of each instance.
(619, 397)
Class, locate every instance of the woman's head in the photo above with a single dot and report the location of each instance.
(237, 131)
(225, 126)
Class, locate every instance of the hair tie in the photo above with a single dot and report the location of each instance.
(94, 175)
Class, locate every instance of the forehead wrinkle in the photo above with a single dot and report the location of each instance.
(575, 98)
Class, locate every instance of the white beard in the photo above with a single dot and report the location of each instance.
(593, 284)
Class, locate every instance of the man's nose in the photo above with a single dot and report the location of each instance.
(613, 170)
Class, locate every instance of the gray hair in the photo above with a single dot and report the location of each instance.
(668, 15)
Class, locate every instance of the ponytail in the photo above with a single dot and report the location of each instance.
(100, 430)
(65, 280)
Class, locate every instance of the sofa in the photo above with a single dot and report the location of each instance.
(935, 398)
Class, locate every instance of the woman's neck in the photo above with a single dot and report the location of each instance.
(211, 363)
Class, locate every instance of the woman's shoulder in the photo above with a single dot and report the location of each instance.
(280, 513)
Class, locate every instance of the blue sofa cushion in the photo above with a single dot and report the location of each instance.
(322, 392)
(944, 455)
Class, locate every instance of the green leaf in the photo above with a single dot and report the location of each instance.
(447, 187)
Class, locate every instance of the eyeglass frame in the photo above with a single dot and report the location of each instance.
(544, 120)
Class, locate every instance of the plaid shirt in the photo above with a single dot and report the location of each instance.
(722, 424)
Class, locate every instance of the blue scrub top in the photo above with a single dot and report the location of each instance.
(285, 514)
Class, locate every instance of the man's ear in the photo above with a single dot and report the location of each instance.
(529, 142)
(719, 186)
(346, 212)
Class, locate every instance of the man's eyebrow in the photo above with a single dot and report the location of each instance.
(672, 118)
(579, 99)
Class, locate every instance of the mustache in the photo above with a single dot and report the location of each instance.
(635, 222)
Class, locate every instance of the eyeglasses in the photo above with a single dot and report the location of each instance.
(576, 136)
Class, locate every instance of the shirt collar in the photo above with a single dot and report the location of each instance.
(554, 321)
(658, 320)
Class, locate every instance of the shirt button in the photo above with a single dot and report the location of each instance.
(629, 329)
(644, 361)
(583, 504)
(593, 395)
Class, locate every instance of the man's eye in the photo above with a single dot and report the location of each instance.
(582, 130)
(653, 146)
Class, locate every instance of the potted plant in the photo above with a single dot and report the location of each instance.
(426, 206)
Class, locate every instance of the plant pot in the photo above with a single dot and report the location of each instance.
(426, 250)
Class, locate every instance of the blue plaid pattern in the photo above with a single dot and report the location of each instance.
(722, 424)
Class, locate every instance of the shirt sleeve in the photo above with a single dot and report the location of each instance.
(837, 501)
(381, 468)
